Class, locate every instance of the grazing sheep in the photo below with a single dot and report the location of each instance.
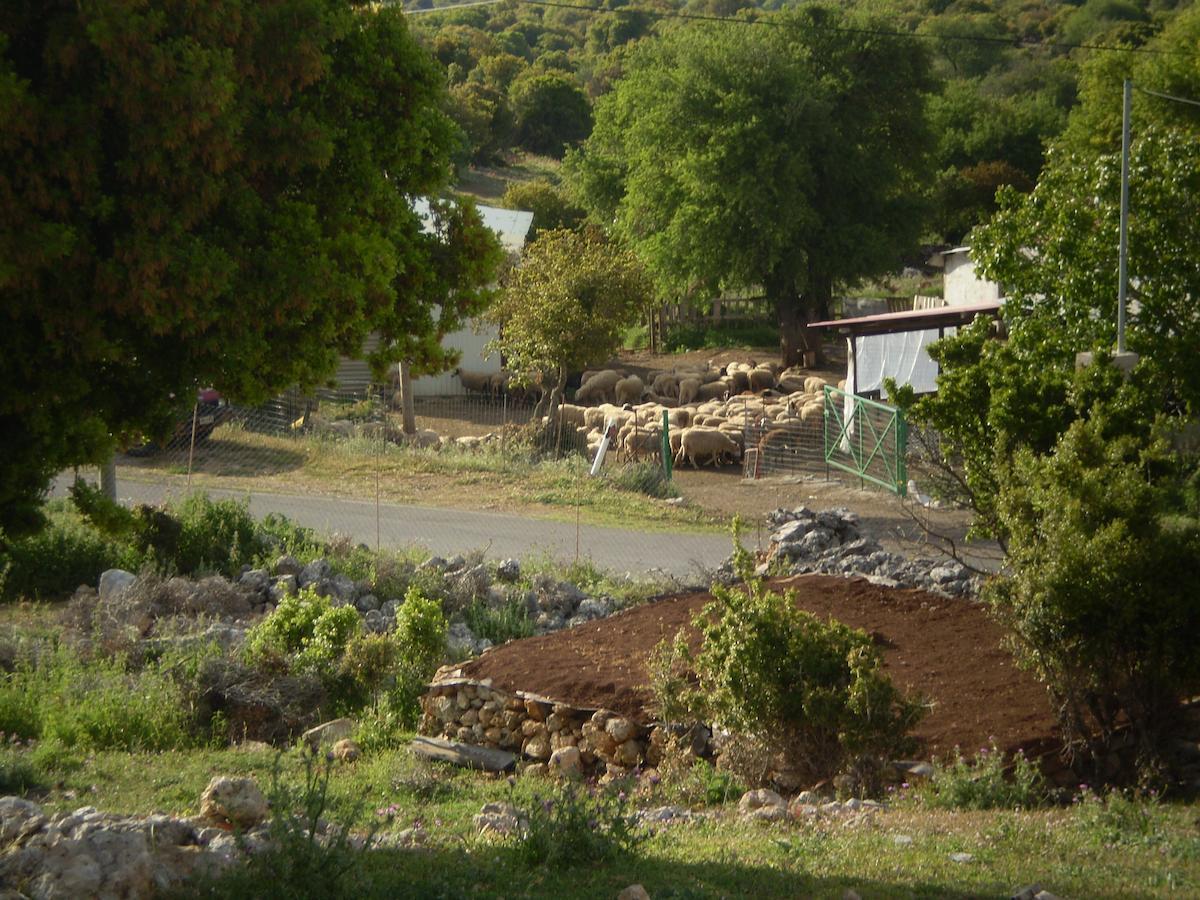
(665, 384)
(601, 386)
(629, 390)
(572, 414)
(814, 384)
(696, 443)
(738, 381)
(689, 389)
(479, 382)
(712, 391)
(761, 379)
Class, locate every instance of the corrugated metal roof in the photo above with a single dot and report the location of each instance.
(510, 225)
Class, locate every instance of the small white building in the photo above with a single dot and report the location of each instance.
(961, 286)
(511, 227)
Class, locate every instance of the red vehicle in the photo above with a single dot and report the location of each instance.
(210, 412)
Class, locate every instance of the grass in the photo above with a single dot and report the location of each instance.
(1070, 851)
(487, 479)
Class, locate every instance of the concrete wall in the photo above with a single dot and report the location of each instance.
(962, 286)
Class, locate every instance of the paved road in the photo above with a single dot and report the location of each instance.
(451, 531)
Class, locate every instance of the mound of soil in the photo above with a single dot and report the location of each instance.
(947, 651)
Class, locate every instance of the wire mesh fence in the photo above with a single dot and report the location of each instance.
(341, 462)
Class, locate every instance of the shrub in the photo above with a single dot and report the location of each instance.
(305, 855)
(577, 825)
(306, 631)
(95, 705)
(68, 552)
(1117, 820)
(216, 535)
(499, 624)
(986, 782)
(1102, 602)
(647, 478)
(420, 635)
(814, 689)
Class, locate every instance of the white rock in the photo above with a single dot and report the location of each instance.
(568, 761)
(329, 732)
(113, 583)
(962, 857)
(902, 840)
(237, 801)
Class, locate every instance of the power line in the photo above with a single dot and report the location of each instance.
(1016, 43)
(1167, 96)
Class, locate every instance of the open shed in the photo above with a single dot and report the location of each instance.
(894, 345)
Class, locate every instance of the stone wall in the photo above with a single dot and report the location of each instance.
(593, 741)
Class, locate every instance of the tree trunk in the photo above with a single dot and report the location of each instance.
(406, 400)
(795, 340)
(108, 478)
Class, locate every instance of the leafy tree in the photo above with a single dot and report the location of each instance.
(550, 205)
(552, 112)
(214, 195)
(790, 157)
(1102, 600)
(566, 305)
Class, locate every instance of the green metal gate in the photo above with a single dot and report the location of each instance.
(866, 438)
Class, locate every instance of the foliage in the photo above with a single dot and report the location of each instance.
(499, 624)
(816, 690)
(681, 338)
(713, 130)
(217, 535)
(306, 631)
(647, 478)
(1101, 600)
(187, 194)
(68, 552)
(576, 826)
(307, 855)
(96, 704)
(420, 635)
(551, 112)
(1117, 819)
(565, 307)
(548, 202)
(986, 782)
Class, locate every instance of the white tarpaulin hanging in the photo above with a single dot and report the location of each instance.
(903, 356)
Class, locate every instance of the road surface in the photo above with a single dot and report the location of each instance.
(446, 532)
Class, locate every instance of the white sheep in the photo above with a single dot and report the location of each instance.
(689, 390)
(696, 443)
(761, 379)
(601, 386)
(629, 390)
(665, 384)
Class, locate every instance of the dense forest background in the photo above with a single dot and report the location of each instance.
(524, 77)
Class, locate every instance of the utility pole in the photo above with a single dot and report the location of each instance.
(1123, 251)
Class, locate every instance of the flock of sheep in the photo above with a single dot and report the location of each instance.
(710, 411)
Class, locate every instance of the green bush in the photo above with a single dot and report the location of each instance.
(420, 635)
(816, 690)
(499, 624)
(98, 704)
(68, 552)
(986, 782)
(647, 478)
(576, 826)
(681, 338)
(1102, 602)
(216, 535)
(306, 632)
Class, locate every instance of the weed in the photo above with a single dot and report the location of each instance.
(986, 782)
(216, 535)
(647, 478)
(577, 825)
(1118, 819)
(499, 624)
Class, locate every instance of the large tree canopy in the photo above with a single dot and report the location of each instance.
(210, 193)
(788, 154)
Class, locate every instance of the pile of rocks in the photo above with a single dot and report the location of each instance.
(828, 542)
(142, 601)
(87, 853)
(554, 736)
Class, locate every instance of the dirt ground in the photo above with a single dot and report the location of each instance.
(946, 651)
